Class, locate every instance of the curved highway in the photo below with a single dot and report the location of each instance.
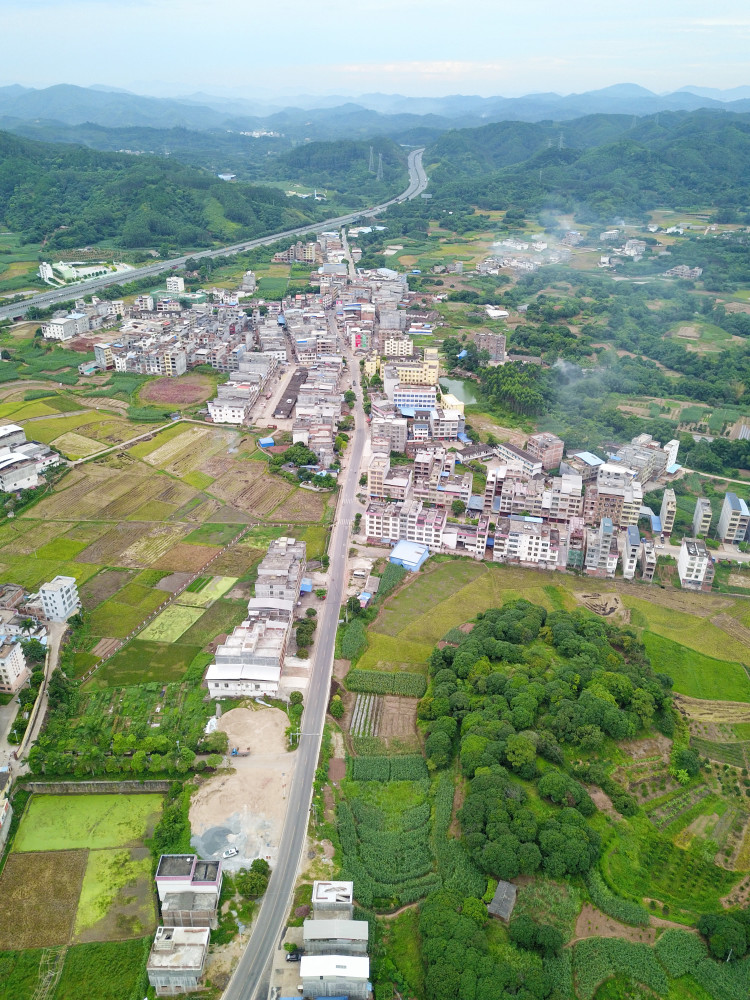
(417, 184)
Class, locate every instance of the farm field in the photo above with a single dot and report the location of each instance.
(171, 623)
(143, 662)
(67, 822)
(695, 674)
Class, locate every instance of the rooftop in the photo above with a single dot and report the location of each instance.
(503, 901)
(344, 966)
(333, 892)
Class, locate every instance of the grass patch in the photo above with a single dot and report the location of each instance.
(695, 674)
(141, 662)
(61, 548)
(688, 630)
(314, 538)
(198, 480)
(171, 623)
(210, 592)
(213, 534)
(219, 619)
(19, 972)
(125, 611)
(64, 822)
(144, 448)
(110, 970)
(107, 874)
(403, 942)
(385, 652)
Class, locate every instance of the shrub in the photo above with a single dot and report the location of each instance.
(623, 910)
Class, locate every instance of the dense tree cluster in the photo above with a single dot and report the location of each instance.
(521, 685)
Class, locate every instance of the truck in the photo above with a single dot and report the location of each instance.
(236, 752)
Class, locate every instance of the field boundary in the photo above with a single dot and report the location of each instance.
(96, 787)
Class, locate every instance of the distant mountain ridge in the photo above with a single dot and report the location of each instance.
(380, 113)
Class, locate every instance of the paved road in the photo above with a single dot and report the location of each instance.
(251, 971)
(417, 184)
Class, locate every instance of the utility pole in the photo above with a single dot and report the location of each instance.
(371, 168)
(380, 167)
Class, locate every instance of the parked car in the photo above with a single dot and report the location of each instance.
(293, 956)
(231, 852)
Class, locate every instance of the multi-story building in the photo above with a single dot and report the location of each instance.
(668, 511)
(394, 346)
(333, 900)
(17, 471)
(582, 463)
(648, 560)
(695, 567)
(104, 357)
(249, 662)
(188, 890)
(335, 937)
(13, 669)
(335, 976)
(517, 458)
(409, 397)
(409, 520)
(66, 327)
(378, 469)
(527, 541)
(734, 519)
(177, 959)
(60, 598)
(395, 429)
(615, 495)
(175, 285)
(281, 570)
(702, 517)
(494, 344)
(446, 425)
(576, 544)
(508, 491)
(547, 447)
(601, 550)
(631, 548)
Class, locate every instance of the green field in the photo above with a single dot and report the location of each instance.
(110, 970)
(108, 874)
(213, 534)
(141, 662)
(689, 630)
(695, 674)
(64, 822)
(385, 652)
(215, 588)
(144, 448)
(125, 611)
(171, 623)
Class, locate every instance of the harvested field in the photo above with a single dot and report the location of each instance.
(173, 582)
(219, 619)
(150, 547)
(103, 586)
(186, 558)
(74, 445)
(251, 488)
(38, 898)
(167, 452)
(593, 923)
(237, 561)
(398, 720)
(215, 589)
(303, 505)
(185, 390)
(107, 549)
(105, 647)
(154, 510)
(713, 711)
(732, 627)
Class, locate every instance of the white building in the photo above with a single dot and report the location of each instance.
(631, 548)
(517, 458)
(668, 511)
(702, 517)
(601, 550)
(249, 662)
(175, 285)
(45, 271)
(177, 959)
(13, 669)
(734, 519)
(695, 567)
(527, 541)
(335, 976)
(60, 598)
(65, 328)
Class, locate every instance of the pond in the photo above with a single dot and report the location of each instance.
(461, 388)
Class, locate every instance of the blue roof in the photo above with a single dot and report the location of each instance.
(464, 438)
(634, 535)
(407, 411)
(409, 551)
(655, 522)
(589, 458)
(463, 354)
(674, 467)
(737, 503)
(475, 503)
(266, 442)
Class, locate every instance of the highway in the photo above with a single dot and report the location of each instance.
(417, 184)
(250, 977)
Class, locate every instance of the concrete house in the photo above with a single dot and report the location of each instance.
(178, 956)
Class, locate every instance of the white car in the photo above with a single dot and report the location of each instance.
(231, 852)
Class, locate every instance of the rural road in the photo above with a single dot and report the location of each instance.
(250, 974)
(417, 184)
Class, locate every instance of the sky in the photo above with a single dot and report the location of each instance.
(251, 49)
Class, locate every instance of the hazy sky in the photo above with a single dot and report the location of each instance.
(418, 47)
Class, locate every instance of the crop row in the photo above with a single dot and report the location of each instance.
(404, 683)
(668, 812)
(368, 712)
(410, 767)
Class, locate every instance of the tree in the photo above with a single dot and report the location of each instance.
(336, 707)
(311, 613)
(261, 866)
(458, 507)
(726, 937)
(34, 650)
(213, 761)
(520, 753)
(295, 698)
(250, 883)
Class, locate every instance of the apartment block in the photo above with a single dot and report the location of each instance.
(14, 671)
(601, 550)
(548, 448)
(392, 428)
(630, 551)
(668, 511)
(695, 567)
(648, 560)
(527, 541)
(494, 344)
(734, 519)
(423, 397)
(60, 598)
(702, 517)
(281, 570)
(517, 458)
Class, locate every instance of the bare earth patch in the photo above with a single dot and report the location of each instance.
(399, 720)
(105, 647)
(186, 389)
(173, 582)
(660, 746)
(713, 711)
(606, 605)
(593, 923)
(245, 809)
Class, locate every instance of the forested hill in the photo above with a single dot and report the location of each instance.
(600, 166)
(73, 197)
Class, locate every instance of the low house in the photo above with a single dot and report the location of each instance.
(335, 937)
(503, 901)
(188, 890)
(410, 555)
(335, 976)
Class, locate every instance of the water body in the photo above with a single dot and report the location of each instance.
(461, 388)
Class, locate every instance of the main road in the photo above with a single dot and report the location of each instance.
(250, 973)
(417, 184)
